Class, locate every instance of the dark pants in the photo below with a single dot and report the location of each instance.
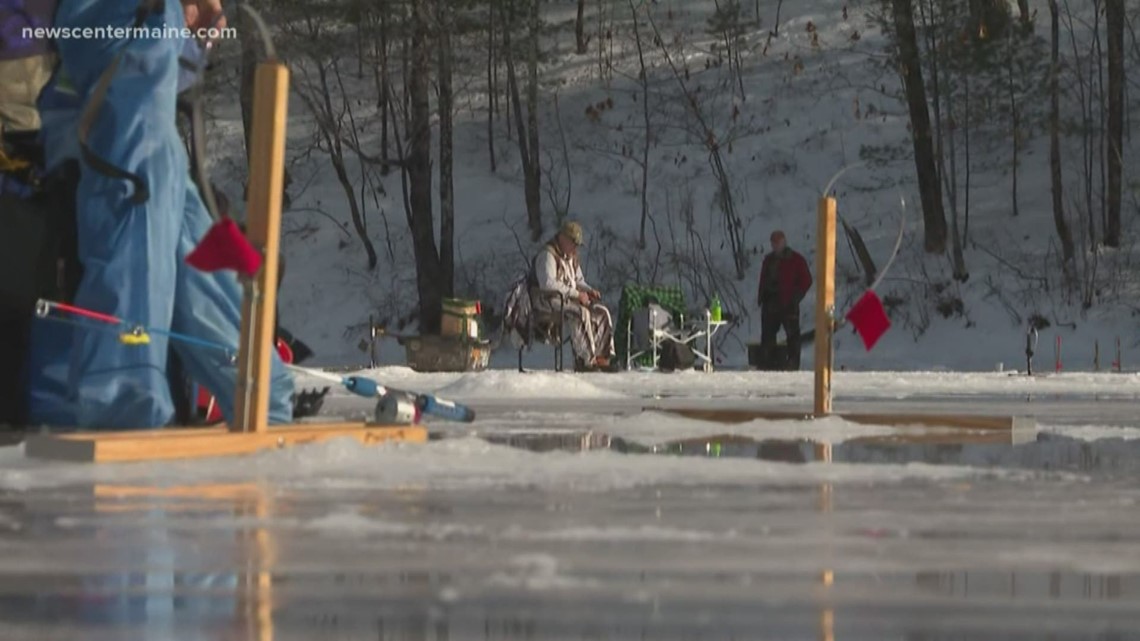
(772, 317)
(38, 233)
(15, 326)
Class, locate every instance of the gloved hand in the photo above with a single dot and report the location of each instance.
(308, 402)
(201, 14)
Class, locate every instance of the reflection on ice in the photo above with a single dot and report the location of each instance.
(546, 526)
(248, 561)
(1046, 452)
(142, 572)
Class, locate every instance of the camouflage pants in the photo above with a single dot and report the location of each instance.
(591, 328)
(591, 331)
(21, 81)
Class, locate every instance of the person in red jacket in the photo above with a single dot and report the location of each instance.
(784, 281)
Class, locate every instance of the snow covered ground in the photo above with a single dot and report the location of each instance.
(816, 99)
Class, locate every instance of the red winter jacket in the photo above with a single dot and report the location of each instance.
(784, 279)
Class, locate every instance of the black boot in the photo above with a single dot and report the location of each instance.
(580, 365)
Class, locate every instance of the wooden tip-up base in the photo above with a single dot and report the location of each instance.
(954, 421)
(903, 438)
(186, 443)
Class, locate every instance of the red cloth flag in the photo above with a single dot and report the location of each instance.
(225, 247)
(869, 319)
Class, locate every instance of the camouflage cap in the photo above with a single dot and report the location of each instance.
(573, 231)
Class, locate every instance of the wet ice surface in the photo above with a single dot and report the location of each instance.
(588, 518)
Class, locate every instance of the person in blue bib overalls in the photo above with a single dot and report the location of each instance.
(136, 224)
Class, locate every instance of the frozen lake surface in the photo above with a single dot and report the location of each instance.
(568, 511)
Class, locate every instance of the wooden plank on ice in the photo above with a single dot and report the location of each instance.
(206, 442)
(959, 421)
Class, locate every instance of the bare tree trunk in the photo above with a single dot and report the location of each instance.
(513, 101)
(1016, 123)
(533, 179)
(361, 13)
(507, 17)
(1063, 232)
(740, 73)
(1023, 10)
(935, 85)
(494, 45)
(776, 25)
(644, 77)
(492, 89)
(1102, 129)
(407, 95)
(969, 172)
(580, 29)
(385, 87)
(601, 42)
(959, 260)
(526, 138)
(610, 55)
(420, 218)
(949, 179)
(1115, 18)
(1090, 144)
(401, 155)
(934, 217)
(1085, 93)
(446, 148)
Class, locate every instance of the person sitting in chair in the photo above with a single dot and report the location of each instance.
(558, 272)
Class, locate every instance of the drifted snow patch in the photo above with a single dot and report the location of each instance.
(513, 385)
(351, 523)
(651, 533)
(536, 572)
(1093, 433)
(654, 428)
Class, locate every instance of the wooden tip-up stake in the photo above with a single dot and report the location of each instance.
(824, 304)
(263, 227)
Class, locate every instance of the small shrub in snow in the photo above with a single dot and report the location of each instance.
(1038, 322)
(951, 305)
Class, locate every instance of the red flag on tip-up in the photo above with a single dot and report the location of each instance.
(225, 247)
(869, 319)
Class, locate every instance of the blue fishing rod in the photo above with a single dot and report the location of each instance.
(394, 403)
(369, 388)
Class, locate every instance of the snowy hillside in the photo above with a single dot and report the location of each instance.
(817, 98)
